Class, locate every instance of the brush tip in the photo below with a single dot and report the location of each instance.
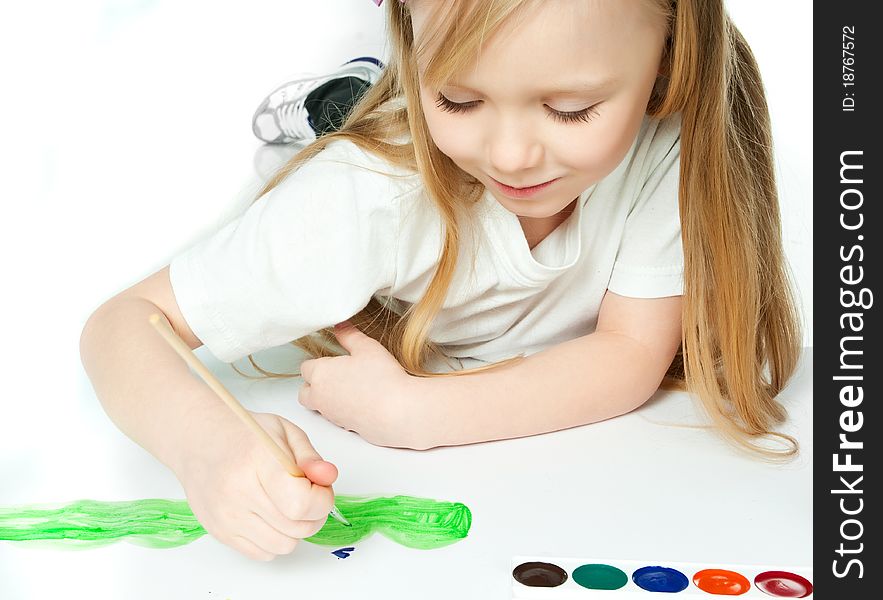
(335, 514)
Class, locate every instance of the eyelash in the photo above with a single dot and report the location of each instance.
(585, 115)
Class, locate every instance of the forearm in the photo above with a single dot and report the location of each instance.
(144, 386)
(584, 380)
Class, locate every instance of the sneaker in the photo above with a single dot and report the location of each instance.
(283, 116)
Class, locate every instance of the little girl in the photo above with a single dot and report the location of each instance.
(576, 196)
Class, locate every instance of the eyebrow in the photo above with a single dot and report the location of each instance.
(572, 89)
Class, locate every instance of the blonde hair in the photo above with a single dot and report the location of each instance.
(739, 314)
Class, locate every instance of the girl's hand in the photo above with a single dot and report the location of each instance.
(242, 495)
(366, 392)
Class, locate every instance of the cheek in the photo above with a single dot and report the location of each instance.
(602, 148)
(597, 155)
(455, 136)
(452, 135)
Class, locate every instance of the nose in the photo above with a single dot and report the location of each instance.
(514, 147)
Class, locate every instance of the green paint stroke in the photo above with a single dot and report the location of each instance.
(413, 522)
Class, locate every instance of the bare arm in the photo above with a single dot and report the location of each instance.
(144, 386)
(236, 488)
(591, 378)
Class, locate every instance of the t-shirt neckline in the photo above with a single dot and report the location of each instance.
(505, 232)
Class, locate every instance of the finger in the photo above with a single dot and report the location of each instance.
(242, 545)
(349, 336)
(297, 498)
(305, 396)
(300, 444)
(300, 498)
(297, 529)
(320, 472)
(267, 538)
(306, 369)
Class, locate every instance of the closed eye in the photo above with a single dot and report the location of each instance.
(585, 115)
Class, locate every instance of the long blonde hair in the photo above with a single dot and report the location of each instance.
(739, 314)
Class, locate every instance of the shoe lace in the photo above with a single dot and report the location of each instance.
(292, 118)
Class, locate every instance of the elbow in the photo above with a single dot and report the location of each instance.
(653, 366)
(85, 334)
(94, 322)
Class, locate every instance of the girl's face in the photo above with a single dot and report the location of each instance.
(596, 60)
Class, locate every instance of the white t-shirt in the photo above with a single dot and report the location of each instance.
(314, 250)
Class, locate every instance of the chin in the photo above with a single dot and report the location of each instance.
(529, 207)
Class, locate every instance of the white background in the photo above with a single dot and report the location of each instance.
(125, 136)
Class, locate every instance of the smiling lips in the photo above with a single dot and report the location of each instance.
(524, 192)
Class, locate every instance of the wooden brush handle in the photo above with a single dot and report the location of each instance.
(184, 351)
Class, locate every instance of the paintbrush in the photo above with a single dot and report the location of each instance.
(162, 326)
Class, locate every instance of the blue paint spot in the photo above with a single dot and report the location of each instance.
(343, 552)
(660, 579)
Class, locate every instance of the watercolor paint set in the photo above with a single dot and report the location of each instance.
(550, 578)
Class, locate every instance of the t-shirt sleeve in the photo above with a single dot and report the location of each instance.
(306, 255)
(650, 260)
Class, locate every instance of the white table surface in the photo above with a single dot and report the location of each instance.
(628, 488)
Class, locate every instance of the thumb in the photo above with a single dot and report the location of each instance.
(349, 336)
(316, 469)
(320, 472)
